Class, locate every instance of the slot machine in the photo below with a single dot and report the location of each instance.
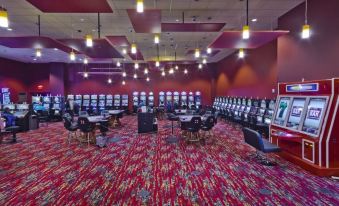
(22, 114)
(197, 99)
(124, 101)
(183, 99)
(151, 99)
(169, 99)
(5, 96)
(85, 102)
(305, 125)
(161, 99)
(109, 102)
(247, 110)
(262, 111)
(117, 101)
(135, 101)
(56, 103)
(70, 97)
(242, 107)
(215, 102)
(176, 99)
(143, 98)
(46, 102)
(191, 100)
(102, 102)
(78, 100)
(94, 102)
(269, 113)
(237, 107)
(10, 106)
(36, 100)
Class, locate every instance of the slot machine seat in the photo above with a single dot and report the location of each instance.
(193, 128)
(254, 139)
(207, 126)
(70, 127)
(86, 128)
(43, 117)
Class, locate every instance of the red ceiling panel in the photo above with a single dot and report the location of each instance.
(192, 27)
(147, 22)
(233, 39)
(33, 42)
(101, 48)
(122, 41)
(72, 6)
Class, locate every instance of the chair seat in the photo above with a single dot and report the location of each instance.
(269, 147)
(12, 128)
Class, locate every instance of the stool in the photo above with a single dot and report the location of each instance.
(13, 130)
(172, 138)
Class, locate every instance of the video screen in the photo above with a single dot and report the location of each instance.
(22, 106)
(242, 108)
(267, 121)
(259, 118)
(261, 111)
(296, 113)
(248, 109)
(282, 110)
(46, 106)
(314, 115)
(9, 106)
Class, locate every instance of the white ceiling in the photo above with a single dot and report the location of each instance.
(23, 21)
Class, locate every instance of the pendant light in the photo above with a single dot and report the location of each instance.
(124, 51)
(200, 66)
(185, 71)
(85, 60)
(38, 53)
(123, 82)
(72, 56)
(241, 53)
(136, 66)
(89, 40)
(147, 79)
(124, 74)
(85, 74)
(204, 61)
(146, 71)
(209, 50)
(176, 67)
(140, 6)
(306, 30)
(133, 48)
(171, 71)
(197, 53)
(4, 18)
(156, 39)
(109, 81)
(135, 76)
(118, 64)
(157, 64)
(246, 28)
(163, 73)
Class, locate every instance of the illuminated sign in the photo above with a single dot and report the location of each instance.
(312, 87)
(314, 113)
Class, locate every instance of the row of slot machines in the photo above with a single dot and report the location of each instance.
(100, 102)
(182, 99)
(252, 111)
(49, 102)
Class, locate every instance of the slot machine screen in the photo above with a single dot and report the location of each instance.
(56, 106)
(296, 113)
(46, 106)
(9, 106)
(314, 115)
(242, 108)
(268, 121)
(259, 118)
(22, 106)
(282, 110)
(261, 111)
(248, 109)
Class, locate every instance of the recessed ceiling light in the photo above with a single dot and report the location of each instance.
(34, 59)
(82, 19)
(56, 49)
(254, 20)
(177, 20)
(9, 29)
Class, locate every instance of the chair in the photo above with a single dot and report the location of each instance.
(71, 127)
(83, 114)
(193, 129)
(43, 117)
(104, 128)
(173, 118)
(254, 139)
(216, 115)
(207, 126)
(85, 127)
(11, 129)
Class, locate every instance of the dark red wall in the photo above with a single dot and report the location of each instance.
(317, 57)
(253, 76)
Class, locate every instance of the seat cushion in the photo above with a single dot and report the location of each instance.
(269, 147)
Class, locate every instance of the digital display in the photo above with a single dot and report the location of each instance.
(259, 118)
(9, 106)
(296, 113)
(261, 111)
(282, 110)
(267, 121)
(248, 109)
(315, 111)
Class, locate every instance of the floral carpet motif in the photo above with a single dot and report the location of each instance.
(145, 169)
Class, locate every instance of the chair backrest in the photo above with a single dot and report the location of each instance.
(67, 115)
(84, 124)
(104, 113)
(216, 114)
(253, 138)
(209, 122)
(67, 122)
(83, 114)
(104, 126)
(195, 123)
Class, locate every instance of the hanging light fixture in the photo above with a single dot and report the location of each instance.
(123, 82)
(185, 71)
(204, 61)
(124, 74)
(306, 31)
(133, 48)
(163, 73)
(89, 40)
(200, 66)
(135, 76)
(72, 56)
(38, 53)
(140, 6)
(176, 67)
(4, 18)
(136, 66)
(156, 39)
(85, 74)
(109, 81)
(171, 71)
(209, 50)
(147, 79)
(246, 28)
(124, 51)
(197, 53)
(241, 53)
(146, 71)
(157, 64)
(85, 60)
(118, 64)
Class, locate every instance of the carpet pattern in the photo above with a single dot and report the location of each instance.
(43, 169)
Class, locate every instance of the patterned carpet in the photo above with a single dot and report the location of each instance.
(43, 169)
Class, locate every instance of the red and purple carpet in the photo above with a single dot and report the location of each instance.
(43, 169)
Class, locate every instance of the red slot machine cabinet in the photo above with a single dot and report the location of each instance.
(305, 125)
